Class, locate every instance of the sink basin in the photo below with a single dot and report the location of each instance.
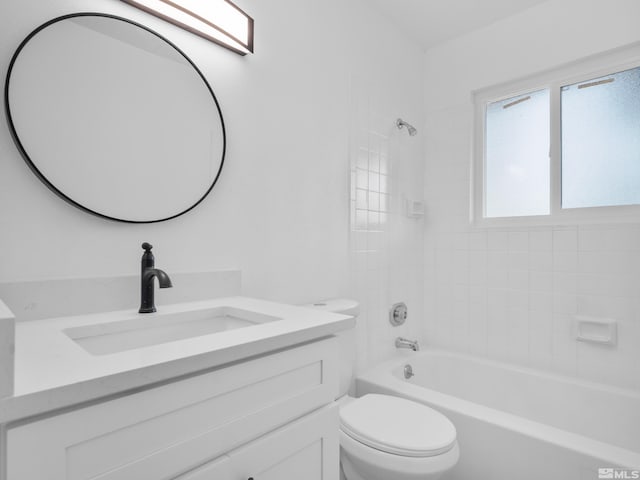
(156, 328)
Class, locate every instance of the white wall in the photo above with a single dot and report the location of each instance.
(280, 211)
(511, 294)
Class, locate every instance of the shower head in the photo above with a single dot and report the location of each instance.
(410, 128)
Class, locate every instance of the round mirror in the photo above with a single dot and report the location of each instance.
(114, 118)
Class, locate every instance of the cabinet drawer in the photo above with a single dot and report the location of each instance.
(161, 432)
(305, 449)
(218, 469)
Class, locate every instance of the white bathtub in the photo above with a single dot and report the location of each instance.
(517, 423)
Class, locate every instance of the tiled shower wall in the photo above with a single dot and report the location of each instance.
(386, 245)
(512, 294)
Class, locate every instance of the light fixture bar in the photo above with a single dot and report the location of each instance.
(220, 21)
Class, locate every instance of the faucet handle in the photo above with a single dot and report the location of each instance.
(147, 246)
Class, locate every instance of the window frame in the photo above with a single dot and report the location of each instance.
(600, 65)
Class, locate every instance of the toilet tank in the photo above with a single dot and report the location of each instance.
(346, 339)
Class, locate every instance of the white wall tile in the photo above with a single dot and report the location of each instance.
(565, 261)
(593, 239)
(478, 330)
(518, 299)
(497, 278)
(540, 281)
(565, 239)
(497, 333)
(460, 266)
(478, 267)
(518, 279)
(614, 237)
(518, 260)
(519, 241)
(518, 334)
(498, 259)
(497, 240)
(540, 302)
(565, 303)
(541, 240)
(564, 345)
(565, 283)
(541, 261)
(541, 339)
(460, 241)
(478, 241)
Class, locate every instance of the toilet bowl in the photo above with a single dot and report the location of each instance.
(383, 437)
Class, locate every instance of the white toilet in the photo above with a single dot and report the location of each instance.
(383, 437)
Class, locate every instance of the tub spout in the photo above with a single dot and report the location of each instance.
(404, 343)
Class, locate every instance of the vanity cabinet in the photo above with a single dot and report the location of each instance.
(271, 417)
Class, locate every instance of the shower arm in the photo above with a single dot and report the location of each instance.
(410, 128)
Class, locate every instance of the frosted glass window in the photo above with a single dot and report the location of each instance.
(601, 141)
(517, 178)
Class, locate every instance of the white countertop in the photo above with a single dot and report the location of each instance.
(53, 372)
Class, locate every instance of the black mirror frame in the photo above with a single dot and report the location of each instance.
(32, 166)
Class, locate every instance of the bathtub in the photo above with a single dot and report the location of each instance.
(518, 423)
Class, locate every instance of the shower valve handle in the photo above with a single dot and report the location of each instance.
(398, 314)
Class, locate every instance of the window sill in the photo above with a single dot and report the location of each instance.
(627, 214)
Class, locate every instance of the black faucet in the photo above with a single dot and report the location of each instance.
(147, 273)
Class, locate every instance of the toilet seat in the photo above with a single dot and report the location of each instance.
(397, 426)
(362, 462)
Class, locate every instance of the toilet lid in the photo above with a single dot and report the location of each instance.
(397, 425)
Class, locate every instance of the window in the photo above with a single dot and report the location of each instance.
(517, 156)
(564, 145)
(371, 196)
(601, 141)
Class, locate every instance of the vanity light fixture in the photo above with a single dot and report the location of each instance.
(220, 21)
